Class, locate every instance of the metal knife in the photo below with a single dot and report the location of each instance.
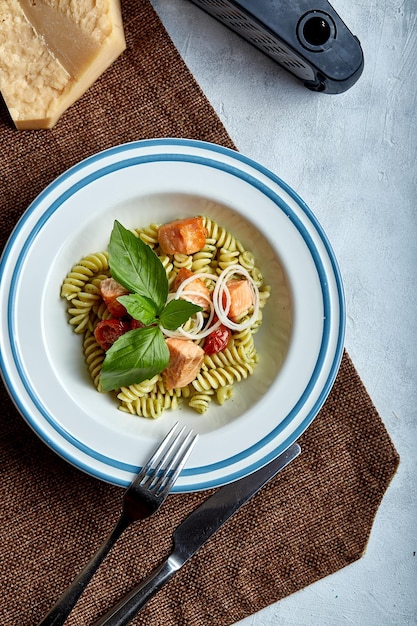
(193, 532)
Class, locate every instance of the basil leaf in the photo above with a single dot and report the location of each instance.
(136, 356)
(176, 312)
(136, 266)
(139, 307)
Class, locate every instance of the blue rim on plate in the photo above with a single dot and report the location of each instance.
(124, 151)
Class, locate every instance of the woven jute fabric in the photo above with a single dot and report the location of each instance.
(309, 522)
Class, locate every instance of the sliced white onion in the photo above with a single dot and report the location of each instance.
(195, 333)
(220, 293)
(201, 275)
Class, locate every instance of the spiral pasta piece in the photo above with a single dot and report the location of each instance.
(224, 393)
(99, 312)
(80, 318)
(264, 294)
(183, 260)
(93, 285)
(203, 261)
(223, 238)
(150, 406)
(179, 392)
(227, 257)
(214, 378)
(247, 260)
(94, 357)
(228, 356)
(83, 304)
(149, 235)
(200, 401)
(257, 276)
(82, 272)
(257, 322)
(133, 392)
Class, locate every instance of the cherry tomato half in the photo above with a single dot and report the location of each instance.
(108, 331)
(217, 340)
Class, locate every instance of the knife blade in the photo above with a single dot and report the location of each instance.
(193, 533)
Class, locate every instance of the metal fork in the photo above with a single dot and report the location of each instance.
(142, 498)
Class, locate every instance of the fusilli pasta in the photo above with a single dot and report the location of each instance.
(220, 371)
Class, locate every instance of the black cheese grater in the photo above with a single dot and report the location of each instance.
(306, 37)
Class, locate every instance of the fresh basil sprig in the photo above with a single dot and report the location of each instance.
(135, 266)
(141, 353)
(136, 356)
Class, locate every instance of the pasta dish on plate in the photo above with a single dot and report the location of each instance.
(208, 317)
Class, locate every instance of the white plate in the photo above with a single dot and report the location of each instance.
(157, 181)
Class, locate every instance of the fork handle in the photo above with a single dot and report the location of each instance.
(126, 609)
(64, 605)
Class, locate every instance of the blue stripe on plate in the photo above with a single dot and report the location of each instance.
(234, 171)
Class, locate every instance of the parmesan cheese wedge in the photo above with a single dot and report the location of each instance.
(51, 52)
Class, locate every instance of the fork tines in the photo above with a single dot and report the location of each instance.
(163, 468)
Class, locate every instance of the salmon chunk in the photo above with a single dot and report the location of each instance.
(185, 360)
(241, 298)
(197, 286)
(185, 236)
(110, 290)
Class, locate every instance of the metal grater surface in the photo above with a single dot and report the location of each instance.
(253, 32)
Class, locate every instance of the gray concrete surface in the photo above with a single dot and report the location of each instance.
(352, 158)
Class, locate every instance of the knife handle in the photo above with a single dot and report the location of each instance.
(126, 609)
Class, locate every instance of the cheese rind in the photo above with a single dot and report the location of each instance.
(51, 52)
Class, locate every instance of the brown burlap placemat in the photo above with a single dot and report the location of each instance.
(312, 520)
